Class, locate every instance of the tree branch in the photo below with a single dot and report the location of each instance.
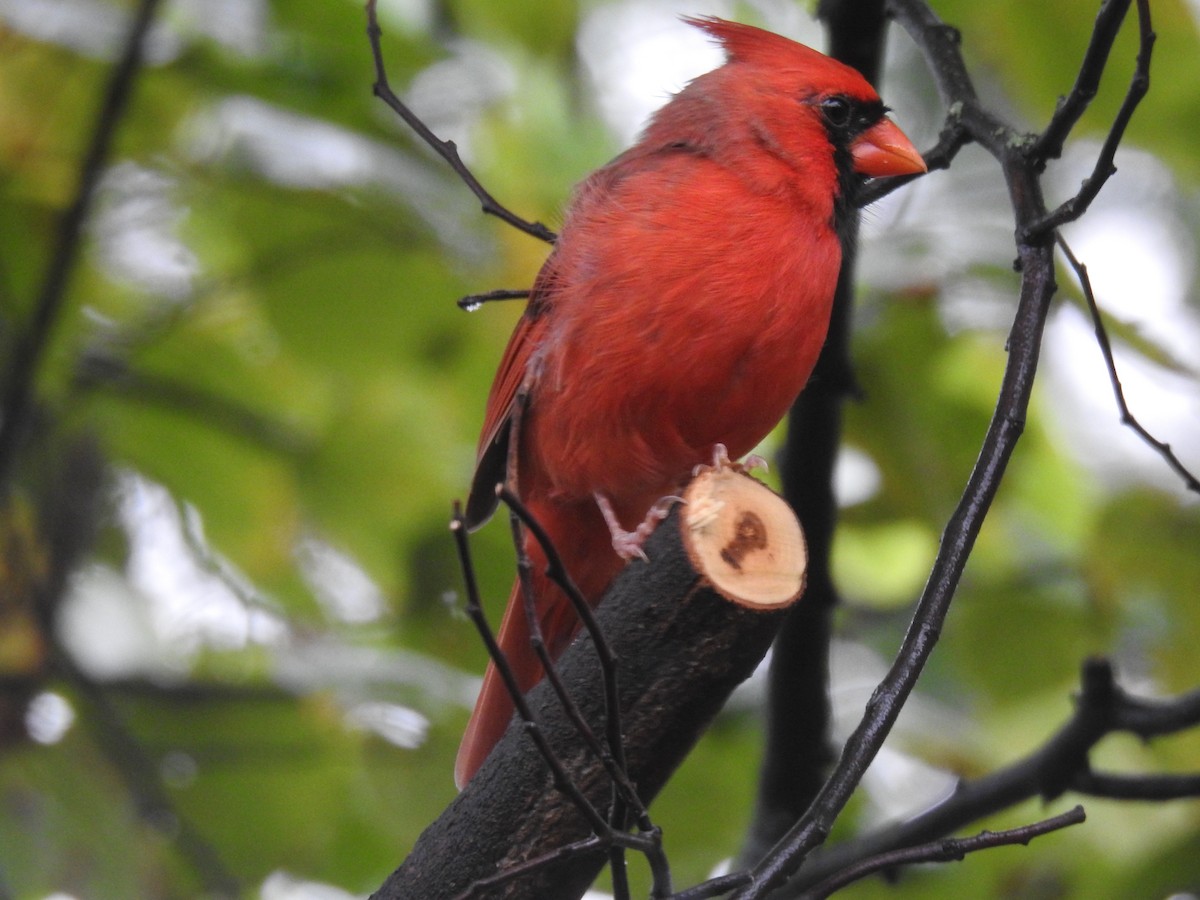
(1059, 765)
(797, 751)
(31, 344)
(1070, 109)
(683, 649)
(947, 850)
(1127, 417)
(940, 46)
(445, 149)
(1104, 169)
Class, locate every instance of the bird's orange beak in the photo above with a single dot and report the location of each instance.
(884, 150)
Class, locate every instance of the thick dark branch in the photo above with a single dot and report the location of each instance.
(797, 751)
(445, 149)
(946, 850)
(30, 345)
(1153, 718)
(1127, 417)
(1157, 788)
(683, 649)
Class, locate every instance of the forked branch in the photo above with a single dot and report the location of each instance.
(447, 150)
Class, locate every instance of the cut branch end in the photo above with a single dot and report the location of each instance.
(744, 540)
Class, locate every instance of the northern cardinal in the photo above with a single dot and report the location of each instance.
(683, 306)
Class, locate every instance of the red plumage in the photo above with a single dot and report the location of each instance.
(684, 305)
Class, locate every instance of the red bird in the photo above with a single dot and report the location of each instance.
(683, 306)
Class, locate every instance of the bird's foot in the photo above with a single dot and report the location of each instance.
(721, 461)
(628, 544)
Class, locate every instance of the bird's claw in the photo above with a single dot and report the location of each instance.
(721, 461)
(628, 544)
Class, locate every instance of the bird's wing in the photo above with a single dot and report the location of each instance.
(492, 456)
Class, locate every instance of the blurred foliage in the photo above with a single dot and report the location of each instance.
(264, 325)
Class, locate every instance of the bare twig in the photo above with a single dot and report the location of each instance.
(612, 756)
(714, 887)
(1059, 765)
(1070, 109)
(475, 611)
(1127, 418)
(1104, 169)
(472, 302)
(517, 870)
(27, 353)
(946, 850)
(538, 643)
(606, 836)
(445, 149)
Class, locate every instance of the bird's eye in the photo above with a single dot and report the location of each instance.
(836, 111)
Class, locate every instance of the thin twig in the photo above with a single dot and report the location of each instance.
(952, 138)
(30, 345)
(1127, 417)
(612, 757)
(556, 571)
(472, 302)
(946, 850)
(604, 836)
(515, 871)
(445, 149)
(475, 611)
(1104, 169)
(1059, 765)
(1070, 109)
(538, 643)
(714, 887)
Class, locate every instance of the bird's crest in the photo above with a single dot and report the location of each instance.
(745, 43)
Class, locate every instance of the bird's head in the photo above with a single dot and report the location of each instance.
(811, 115)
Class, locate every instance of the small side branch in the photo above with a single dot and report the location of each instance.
(948, 850)
(1104, 169)
(447, 150)
(472, 302)
(1060, 765)
(1127, 417)
(1071, 108)
(562, 780)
